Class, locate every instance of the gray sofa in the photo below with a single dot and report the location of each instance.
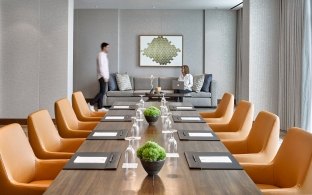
(142, 85)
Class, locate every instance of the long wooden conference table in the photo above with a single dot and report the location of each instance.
(174, 178)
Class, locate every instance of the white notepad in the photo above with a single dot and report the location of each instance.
(172, 155)
(188, 118)
(105, 134)
(121, 107)
(215, 159)
(90, 159)
(200, 134)
(130, 165)
(184, 107)
(115, 117)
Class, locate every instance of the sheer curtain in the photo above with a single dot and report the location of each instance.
(306, 95)
(238, 74)
(290, 63)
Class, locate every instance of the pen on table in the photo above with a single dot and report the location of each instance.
(194, 158)
(111, 158)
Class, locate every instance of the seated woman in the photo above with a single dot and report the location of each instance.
(187, 78)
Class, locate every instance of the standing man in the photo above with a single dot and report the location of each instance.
(103, 76)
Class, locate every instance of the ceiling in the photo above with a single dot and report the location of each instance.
(157, 4)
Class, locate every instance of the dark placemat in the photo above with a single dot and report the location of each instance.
(104, 135)
(111, 162)
(185, 135)
(194, 162)
(181, 108)
(110, 118)
(123, 107)
(179, 119)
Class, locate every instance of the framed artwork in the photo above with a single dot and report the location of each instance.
(161, 50)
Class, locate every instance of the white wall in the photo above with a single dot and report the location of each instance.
(34, 55)
(121, 28)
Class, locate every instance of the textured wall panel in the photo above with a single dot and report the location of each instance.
(53, 52)
(263, 54)
(92, 27)
(19, 58)
(188, 23)
(220, 48)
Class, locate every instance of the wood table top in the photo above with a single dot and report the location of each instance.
(174, 178)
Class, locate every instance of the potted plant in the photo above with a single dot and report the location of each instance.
(151, 114)
(152, 157)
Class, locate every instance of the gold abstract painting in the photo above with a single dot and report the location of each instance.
(161, 50)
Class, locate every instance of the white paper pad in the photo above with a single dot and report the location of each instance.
(121, 106)
(165, 131)
(105, 134)
(130, 165)
(172, 155)
(215, 159)
(90, 159)
(115, 117)
(188, 118)
(184, 107)
(200, 134)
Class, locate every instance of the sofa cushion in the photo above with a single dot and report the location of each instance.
(123, 82)
(200, 94)
(166, 82)
(198, 83)
(207, 82)
(144, 83)
(112, 83)
(128, 93)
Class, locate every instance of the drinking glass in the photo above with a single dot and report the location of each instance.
(164, 111)
(139, 114)
(172, 143)
(141, 102)
(163, 100)
(135, 129)
(130, 157)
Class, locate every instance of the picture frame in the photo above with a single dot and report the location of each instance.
(161, 50)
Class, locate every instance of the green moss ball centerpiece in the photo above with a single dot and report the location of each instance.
(151, 114)
(152, 157)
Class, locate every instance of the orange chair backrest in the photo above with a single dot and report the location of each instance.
(65, 115)
(42, 132)
(80, 105)
(264, 134)
(18, 160)
(293, 159)
(242, 117)
(226, 107)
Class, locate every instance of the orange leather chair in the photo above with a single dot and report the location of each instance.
(224, 111)
(45, 139)
(67, 123)
(82, 110)
(290, 170)
(239, 125)
(261, 144)
(20, 171)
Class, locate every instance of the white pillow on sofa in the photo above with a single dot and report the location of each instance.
(123, 82)
(198, 83)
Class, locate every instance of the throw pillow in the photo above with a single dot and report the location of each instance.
(198, 83)
(123, 82)
(112, 83)
(207, 82)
